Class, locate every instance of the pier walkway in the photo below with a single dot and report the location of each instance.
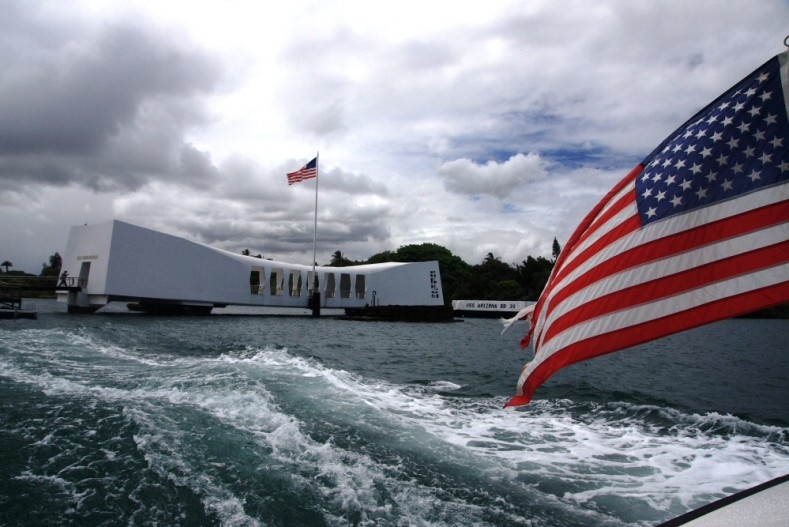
(13, 287)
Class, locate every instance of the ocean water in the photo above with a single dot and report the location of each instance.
(237, 420)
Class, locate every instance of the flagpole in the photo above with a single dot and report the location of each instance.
(315, 292)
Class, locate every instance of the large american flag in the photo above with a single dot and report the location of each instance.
(308, 171)
(697, 232)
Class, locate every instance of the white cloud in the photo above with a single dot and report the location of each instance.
(464, 176)
(483, 127)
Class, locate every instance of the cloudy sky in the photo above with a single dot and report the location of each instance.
(480, 126)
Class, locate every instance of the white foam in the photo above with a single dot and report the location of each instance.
(612, 451)
(615, 449)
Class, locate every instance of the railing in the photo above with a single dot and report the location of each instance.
(72, 281)
(43, 283)
(10, 297)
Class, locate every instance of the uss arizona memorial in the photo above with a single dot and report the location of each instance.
(158, 272)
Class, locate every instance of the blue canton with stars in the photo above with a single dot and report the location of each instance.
(735, 145)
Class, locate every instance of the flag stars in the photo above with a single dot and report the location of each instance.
(736, 146)
(749, 152)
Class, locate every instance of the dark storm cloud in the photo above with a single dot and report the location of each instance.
(101, 106)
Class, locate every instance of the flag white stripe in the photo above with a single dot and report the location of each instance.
(615, 221)
(669, 305)
(665, 306)
(668, 266)
(619, 195)
(670, 226)
(677, 224)
(627, 212)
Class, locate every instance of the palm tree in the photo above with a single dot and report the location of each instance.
(338, 259)
(489, 259)
(6, 264)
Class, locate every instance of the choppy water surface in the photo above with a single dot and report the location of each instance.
(280, 420)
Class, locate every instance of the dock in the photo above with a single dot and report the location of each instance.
(488, 308)
(11, 289)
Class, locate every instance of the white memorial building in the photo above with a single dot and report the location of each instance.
(158, 272)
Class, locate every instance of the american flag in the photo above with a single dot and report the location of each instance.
(308, 171)
(697, 232)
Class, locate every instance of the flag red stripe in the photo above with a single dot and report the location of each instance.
(579, 236)
(628, 226)
(671, 285)
(677, 243)
(596, 219)
(639, 267)
(664, 267)
(638, 334)
(763, 198)
(301, 175)
(683, 301)
(623, 229)
(590, 218)
(619, 211)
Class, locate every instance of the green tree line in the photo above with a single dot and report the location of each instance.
(491, 279)
(50, 270)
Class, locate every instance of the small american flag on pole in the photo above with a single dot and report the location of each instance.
(697, 232)
(308, 171)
